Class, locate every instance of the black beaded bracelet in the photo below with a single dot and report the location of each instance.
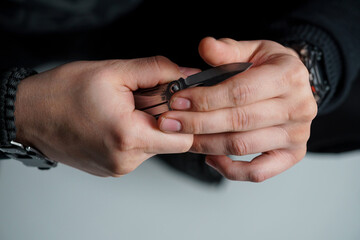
(9, 82)
(8, 147)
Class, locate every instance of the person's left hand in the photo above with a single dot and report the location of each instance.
(268, 109)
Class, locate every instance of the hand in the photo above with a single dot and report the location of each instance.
(82, 114)
(268, 109)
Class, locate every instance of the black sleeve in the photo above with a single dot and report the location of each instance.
(333, 26)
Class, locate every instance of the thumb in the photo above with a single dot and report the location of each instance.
(226, 50)
(151, 71)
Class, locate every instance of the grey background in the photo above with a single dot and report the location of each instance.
(316, 199)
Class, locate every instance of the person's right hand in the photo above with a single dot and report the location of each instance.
(82, 114)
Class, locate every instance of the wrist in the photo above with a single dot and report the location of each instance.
(15, 143)
(9, 85)
(22, 114)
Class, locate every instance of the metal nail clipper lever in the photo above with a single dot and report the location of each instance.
(155, 101)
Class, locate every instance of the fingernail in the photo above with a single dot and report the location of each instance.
(170, 125)
(180, 104)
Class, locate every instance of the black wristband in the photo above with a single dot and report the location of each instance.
(28, 155)
(9, 82)
(312, 57)
(294, 31)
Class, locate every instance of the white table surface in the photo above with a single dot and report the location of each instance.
(319, 198)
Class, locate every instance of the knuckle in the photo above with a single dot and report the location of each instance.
(309, 110)
(239, 119)
(120, 167)
(113, 66)
(201, 103)
(239, 93)
(301, 154)
(256, 176)
(293, 114)
(161, 64)
(269, 43)
(230, 173)
(237, 146)
(123, 143)
(116, 164)
(305, 111)
(159, 61)
(299, 135)
(113, 63)
(157, 64)
(298, 73)
(104, 72)
(295, 155)
(227, 40)
(303, 72)
(194, 126)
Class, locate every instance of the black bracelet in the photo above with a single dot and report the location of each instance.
(9, 82)
(14, 150)
(312, 57)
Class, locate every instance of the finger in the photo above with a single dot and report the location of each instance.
(153, 141)
(262, 167)
(189, 71)
(222, 51)
(226, 50)
(256, 84)
(266, 113)
(151, 71)
(242, 143)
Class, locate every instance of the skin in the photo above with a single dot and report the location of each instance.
(82, 114)
(268, 109)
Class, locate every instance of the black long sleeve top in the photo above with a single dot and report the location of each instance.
(34, 32)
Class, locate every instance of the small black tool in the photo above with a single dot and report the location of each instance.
(155, 101)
